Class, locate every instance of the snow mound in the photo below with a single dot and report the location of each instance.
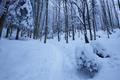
(99, 50)
(116, 34)
(87, 61)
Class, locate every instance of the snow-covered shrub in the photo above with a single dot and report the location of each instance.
(86, 60)
(100, 51)
(11, 38)
(24, 38)
(50, 36)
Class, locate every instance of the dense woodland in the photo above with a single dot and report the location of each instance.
(34, 37)
(46, 19)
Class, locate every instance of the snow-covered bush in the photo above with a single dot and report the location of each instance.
(23, 38)
(100, 51)
(86, 60)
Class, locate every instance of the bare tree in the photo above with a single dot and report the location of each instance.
(88, 19)
(118, 4)
(66, 20)
(110, 15)
(46, 22)
(3, 16)
(2, 20)
(104, 16)
(116, 14)
(93, 4)
(58, 23)
(72, 19)
(36, 10)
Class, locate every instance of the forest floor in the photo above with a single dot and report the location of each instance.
(34, 60)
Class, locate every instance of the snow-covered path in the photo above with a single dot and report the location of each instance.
(32, 60)
(36, 62)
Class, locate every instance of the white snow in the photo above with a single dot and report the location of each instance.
(33, 60)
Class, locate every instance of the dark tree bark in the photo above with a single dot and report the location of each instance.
(110, 15)
(84, 21)
(88, 19)
(116, 14)
(36, 10)
(104, 17)
(46, 26)
(17, 34)
(7, 32)
(53, 23)
(93, 19)
(66, 21)
(73, 29)
(58, 23)
(118, 4)
(2, 20)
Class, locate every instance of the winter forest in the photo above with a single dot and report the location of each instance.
(59, 39)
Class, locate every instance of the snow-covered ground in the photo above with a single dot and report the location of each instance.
(33, 60)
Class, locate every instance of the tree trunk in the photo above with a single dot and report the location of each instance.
(17, 34)
(36, 19)
(118, 4)
(7, 32)
(94, 20)
(58, 24)
(84, 21)
(73, 30)
(2, 20)
(88, 18)
(46, 26)
(116, 14)
(110, 16)
(66, 22)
